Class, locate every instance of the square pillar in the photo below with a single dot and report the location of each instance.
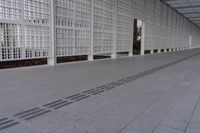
(91, 54)
(190, 42)
(114, 52)
(113, 55)
(52, 60)
(90, 57)
(143, 39)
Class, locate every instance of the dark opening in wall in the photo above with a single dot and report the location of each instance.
(97, 57)
(137, 37)
(71, 59)
(147, 51)
(155, 50)
(22, 63)
(162, 50)
(122, 53)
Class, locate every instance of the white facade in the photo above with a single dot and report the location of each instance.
(89, 27)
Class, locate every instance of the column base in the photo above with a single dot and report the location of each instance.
(51, 61)
(90, 57)
(114, 55)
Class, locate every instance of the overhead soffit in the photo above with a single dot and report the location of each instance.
(188, 8)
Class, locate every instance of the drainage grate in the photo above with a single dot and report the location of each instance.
(57, 104)
(32, 113)
(115, 84)
(7, 123)
(78, 97)
(105, 87)
(94, 92)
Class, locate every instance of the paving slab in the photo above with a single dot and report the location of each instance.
(193, 127)
(180, 115)
(164, 129)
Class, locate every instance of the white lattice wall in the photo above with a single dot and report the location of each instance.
(124, 25)
(149, 22)
(165, 28)
(104, 17)
(195, 36)
(24, 29)
(139, 9)
(72, 27)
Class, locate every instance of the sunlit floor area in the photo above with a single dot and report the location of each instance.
(157, 93)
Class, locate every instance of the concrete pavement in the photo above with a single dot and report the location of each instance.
(166, 100)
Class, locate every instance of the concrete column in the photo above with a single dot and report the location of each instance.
(0, 52)
(114, 53)
(132, 34)
(190, 42)
(23, 30)
(130, 54)
(159, 51)
(152, 52)
(143, 39)
(91, 55)
(53, 59)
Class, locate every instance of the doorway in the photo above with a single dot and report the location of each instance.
(137, 37)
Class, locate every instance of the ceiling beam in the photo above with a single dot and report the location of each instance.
(168, 0)
(196, 21)
(184, 7)
(190, 13)
(193, 16)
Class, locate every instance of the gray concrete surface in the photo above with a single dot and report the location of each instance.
(167, 101)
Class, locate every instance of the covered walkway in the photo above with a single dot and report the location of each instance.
(144, 94)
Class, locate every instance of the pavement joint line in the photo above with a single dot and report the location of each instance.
(138, 115)
(195, 107)
(177, 129)
(132, 78)
(174, 104)
(161, 124)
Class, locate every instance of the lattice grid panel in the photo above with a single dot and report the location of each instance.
(104, 26)
(165, 28)
(72, 27)
(124, 25)
(24, 29)
(139, 9)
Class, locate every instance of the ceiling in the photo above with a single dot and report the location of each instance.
(188, 8)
